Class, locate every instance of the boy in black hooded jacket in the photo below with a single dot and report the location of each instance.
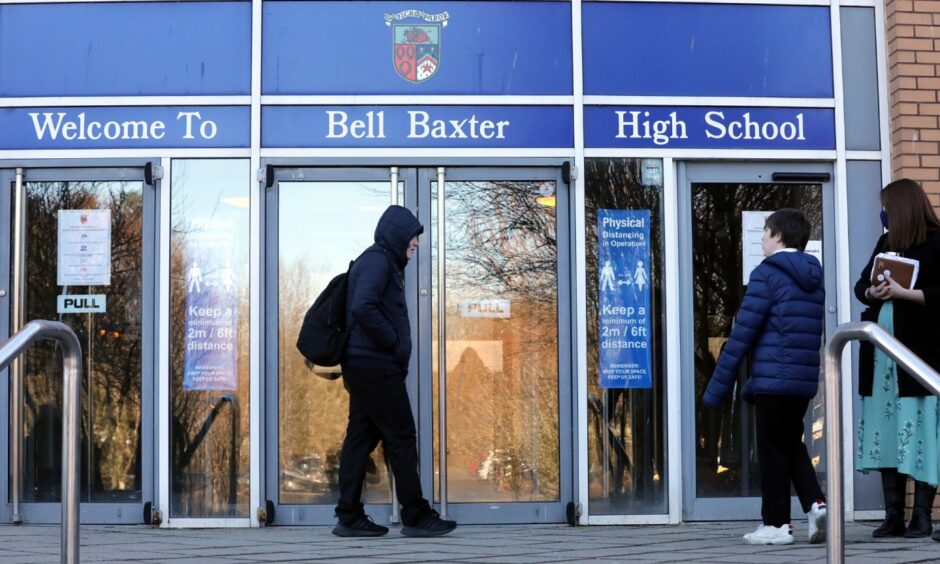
(374, 370)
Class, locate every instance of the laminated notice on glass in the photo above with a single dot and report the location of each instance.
(84, 253)
(211, 307)
(624, 298)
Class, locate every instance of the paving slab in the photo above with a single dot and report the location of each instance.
(511, 544)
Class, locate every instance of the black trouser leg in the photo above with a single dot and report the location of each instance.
(362, 436)
(384, 399)
(783, 457)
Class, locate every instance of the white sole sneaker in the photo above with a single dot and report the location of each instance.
(817, 524)
(765, 535)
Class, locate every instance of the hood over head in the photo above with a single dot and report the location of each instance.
(803, 268)
(394, 231)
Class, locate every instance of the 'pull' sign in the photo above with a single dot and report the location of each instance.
(81, 303)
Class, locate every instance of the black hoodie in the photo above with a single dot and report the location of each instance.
(379, 332)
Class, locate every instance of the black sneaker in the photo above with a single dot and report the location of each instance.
(363, 526)
(429, 525)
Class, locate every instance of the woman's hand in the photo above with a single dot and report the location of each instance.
(895, 291)
(882, 291)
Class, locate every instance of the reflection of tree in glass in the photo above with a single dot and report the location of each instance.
(209, 431)
(111, 343)
(503, 417)
(633, 431)
(717, 211)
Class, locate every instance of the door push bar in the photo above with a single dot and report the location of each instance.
(864, 331)
(72, 374)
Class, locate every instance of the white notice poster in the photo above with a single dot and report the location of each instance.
(84, 248)
(752, 228)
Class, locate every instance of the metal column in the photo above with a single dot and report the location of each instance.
(395, 518)
(16, 367)
(441, 344)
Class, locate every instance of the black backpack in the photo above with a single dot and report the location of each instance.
(323, 335)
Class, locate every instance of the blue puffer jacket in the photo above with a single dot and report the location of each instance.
(379, 332)
(781, 320)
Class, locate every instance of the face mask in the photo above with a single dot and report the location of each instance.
(884, 219)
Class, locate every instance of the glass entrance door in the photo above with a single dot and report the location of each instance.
(493, 282)
(506, 417)
(83, 247)
(725, 206)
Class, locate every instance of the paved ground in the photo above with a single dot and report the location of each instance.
(521, 544)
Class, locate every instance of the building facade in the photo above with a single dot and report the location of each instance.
(181, 179)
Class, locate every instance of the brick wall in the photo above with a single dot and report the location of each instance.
(913, 47)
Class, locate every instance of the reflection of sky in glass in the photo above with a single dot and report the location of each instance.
(212, 189)
(324, 225)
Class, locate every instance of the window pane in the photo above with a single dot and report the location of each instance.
(626, 435)
(209, 350)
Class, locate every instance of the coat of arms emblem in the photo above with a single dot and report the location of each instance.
(416, 43)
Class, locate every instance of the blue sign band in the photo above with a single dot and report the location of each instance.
(417, 126)
(660, 127)
(623, 259)
(492, 48)
(125, 49)
(679, 49)
(125, 127)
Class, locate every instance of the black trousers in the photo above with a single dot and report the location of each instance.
(379, 410)
(783, 457)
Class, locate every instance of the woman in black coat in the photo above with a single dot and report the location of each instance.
(899, 430)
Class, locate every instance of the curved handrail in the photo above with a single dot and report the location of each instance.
(72, 390)
(920, 370)
(187, 455)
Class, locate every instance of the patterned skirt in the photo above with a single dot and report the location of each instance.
(896, 432)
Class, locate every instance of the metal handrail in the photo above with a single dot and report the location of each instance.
(72, 390)
(920, 370)
(188, 454)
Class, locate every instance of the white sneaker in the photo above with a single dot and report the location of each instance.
(766, 534)
(817, 522)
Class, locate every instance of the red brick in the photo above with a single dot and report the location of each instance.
(924, 174)
(929, 135)
(908, 18)
(904, 57)
(906, 161)
(899, 135)
(916, 122)
(928, 30)
(914, 44)
(932, 6)
(899, 6)
(925, 83)
(915, 96)
(906, 109)
(901, 31)
(931, 57)
(907, 69)
(932, 161)
(928, 109)
(931, 187)
(904, 82)
(917, 147)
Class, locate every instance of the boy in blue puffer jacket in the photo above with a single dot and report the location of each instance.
(781, 322)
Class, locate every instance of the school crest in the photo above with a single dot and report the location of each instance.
(416, 43)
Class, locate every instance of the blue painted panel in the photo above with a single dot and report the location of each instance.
(125, 127)
(660, 127)
(414, 126)
(125, 49)
(707, 50)
(484, 48)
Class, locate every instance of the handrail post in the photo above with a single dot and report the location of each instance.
(904, 358)
(72, 389)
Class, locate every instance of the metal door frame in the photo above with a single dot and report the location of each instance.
(735, 508)
(487, 512)
(115, 170)
(309, 514)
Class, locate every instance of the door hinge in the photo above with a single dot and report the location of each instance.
(569, 172)
(266, 175)
(152, 173)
